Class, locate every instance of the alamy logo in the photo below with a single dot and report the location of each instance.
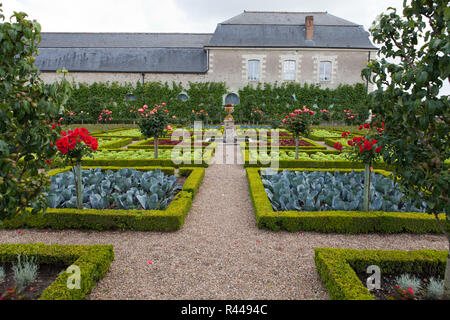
(374, 281)
(74, 281)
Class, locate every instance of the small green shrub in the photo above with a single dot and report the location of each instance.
(406, 281)
(25, 272)
(435, 289)
(2, 274)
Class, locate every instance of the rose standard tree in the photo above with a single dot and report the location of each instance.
(416, 139)
(154, 123)
(28, 108)
(298, 122)
(73, 146)
(366, 149)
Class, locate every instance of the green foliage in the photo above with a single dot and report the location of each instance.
(125, 188)
(25, 272)
(338, 268)
(326, 191)
(407, 98)
(349, 222)
(277, 100)
(27, 109)
(273, 100)
(93, 261)
(153, 123)
(93, 98)
(304, 163)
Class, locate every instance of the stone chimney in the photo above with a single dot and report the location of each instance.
(309, 23)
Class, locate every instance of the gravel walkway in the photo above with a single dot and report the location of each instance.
(219, 253)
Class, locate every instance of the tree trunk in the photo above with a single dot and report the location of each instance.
(79, 186)
(296, 147)
(367, 187)
(155, 142)
(446, 294)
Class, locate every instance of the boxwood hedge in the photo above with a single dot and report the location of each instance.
(350, 222)
(93, 260)
(338, 268)
(170, 219)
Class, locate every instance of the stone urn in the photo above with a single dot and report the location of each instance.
(229, 110)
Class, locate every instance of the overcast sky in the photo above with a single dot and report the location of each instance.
(179, 15)
(176, 15)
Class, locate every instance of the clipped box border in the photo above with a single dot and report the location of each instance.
(143, 145)
(170, 219)
(349, 222)
(116, 144)
(338, 268)
(208, 153)
(319, 164)
(93, 260)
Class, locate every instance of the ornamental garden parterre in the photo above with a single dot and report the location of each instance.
(304, 174)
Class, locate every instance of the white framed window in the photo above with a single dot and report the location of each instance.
(254, 70)
(289, 70)
(325, 71)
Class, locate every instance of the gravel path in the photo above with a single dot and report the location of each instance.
(219, 253)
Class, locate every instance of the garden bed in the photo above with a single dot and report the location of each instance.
(168, 143)
(339, 269)
(303, 162)
(193, 157)
(282, 143)
(169, 219)
(338, 221)
(92, 260)
(113, 143)
(46, 274)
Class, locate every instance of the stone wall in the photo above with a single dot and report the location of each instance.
(230, 65)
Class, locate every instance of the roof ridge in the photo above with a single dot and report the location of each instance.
(163, 33)
(288, 12)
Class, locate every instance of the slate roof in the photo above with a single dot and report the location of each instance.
(287, 29)
(123, 52)
(185, 52)
(289, 18)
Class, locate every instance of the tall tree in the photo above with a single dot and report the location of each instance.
(28, 108)
(407, 98)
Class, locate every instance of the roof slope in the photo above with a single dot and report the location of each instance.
(124, 40)
(290, 18)
(123, 52)
(287, 29)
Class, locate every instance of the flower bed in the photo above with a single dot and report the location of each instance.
(93, 260)
(335, 220)
(145, 157)
(338, 268)
(317, 161)
(321, 134)
(282, 143)
(290, 155)
(113, 143)
(169, 142)
(169, 219)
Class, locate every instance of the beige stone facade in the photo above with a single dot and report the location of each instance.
(230, 65)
